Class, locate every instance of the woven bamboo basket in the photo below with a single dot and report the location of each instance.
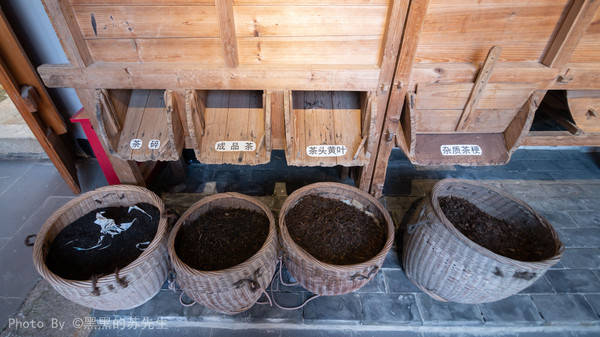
(235, 289)
(327, 279)
(138, 282)
(448, 266)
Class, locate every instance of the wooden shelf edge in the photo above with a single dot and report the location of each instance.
(198, 76)
(560, 138)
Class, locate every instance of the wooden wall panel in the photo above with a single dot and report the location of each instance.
(444, 121)
(147, 21)
(455, 96)
(144, 2)
(312, 2)
(201, 51)
(465, 30)
(588, 50)
(310, 50)
(255, 21)
(235, 2)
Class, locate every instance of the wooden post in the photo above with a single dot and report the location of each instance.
(393, 39)
(227, 30)
(406, 56)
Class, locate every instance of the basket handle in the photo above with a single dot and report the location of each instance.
(253, 282)
(360, 276)
(420, 221)
(30, 240)
(183, 303)
(274, 301)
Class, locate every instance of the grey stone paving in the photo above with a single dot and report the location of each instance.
(30, 191)
(564, 302)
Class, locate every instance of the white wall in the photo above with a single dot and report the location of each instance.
(32, 25)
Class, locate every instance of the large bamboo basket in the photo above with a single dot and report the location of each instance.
(235, 289)
(448, 266)
(323, 278)
(138, 282)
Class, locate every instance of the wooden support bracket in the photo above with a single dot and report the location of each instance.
(578, 18)
(482, 79)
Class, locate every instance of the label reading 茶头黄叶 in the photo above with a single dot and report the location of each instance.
(326, 150)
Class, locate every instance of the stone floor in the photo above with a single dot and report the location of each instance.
(30, 191)
(564, 186)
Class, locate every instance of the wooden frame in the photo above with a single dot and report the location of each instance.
(538, 69)
(242, 47)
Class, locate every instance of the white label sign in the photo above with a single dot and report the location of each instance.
(326, 150)
(135, 144)
(235, 146)
(154, 144)
(461, 150)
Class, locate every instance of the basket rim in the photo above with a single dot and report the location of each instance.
(483, 250)
(271, 236)
(291, 200)
(39, 260)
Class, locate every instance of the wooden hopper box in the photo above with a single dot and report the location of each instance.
(328, 128)
(229, 126)
(488, 138)
(140, 125)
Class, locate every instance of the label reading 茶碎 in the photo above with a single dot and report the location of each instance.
(235, 145)
(326, 150)
(135, 144)
(461, 150)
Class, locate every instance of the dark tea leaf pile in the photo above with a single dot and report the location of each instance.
(221, 238)
(335, 232)
(516, 241)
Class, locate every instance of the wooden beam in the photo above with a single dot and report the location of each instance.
(227, 32)
(482, 79)
(580, 76)
(578, 18)
(21, 68)
(392, 42)
(25, 89)
(186, 76)
(560, 138)
(526, 72)
(60, 155)
(413, 26)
